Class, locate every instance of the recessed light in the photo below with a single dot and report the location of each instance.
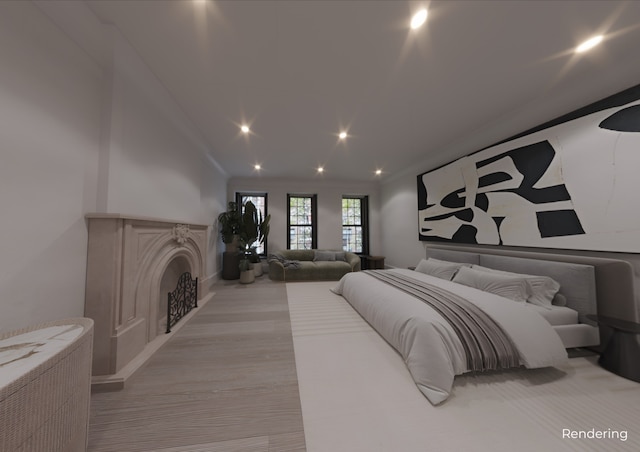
(418, 19)
(589, 44)
(244, 128)
(378, 172)
(257, 166)
(342, 135)
(320, 169)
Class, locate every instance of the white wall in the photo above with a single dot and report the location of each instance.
(214, 201)
(83, 131)
(155, 163)
(399, 222)
(50, 105)
(329, 207)
(155, 156)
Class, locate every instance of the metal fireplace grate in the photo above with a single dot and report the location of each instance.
(182, 300)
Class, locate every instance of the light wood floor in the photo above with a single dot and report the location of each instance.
(225, 382)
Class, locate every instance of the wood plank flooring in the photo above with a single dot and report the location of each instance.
(225, 382)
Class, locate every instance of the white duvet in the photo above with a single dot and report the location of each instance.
(431, 349)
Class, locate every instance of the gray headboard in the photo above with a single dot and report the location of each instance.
(590, 284)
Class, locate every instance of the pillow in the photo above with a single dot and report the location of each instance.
(559, 300)
(511, 287)
(437, 268)
(341, 256)
(542, 289)
(324, 255)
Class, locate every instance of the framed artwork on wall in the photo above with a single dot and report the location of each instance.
(572, 183)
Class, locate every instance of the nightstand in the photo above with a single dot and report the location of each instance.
(622, 353)
(372, 262)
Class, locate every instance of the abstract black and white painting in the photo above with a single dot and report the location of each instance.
(574, 185)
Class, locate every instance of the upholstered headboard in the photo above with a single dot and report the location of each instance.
(577, 281)
(591, 284)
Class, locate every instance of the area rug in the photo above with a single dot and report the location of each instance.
(357, 395)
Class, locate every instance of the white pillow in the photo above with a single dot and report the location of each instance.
(542, 289)
(438, 268)
(513, 288)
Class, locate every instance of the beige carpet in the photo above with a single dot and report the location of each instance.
(357, 395)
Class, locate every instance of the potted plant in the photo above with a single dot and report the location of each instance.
(247, 236)
(252, 231)
(263, 232)
(230, 226)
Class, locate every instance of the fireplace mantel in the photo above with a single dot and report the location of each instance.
(126, 260)
(118, 216)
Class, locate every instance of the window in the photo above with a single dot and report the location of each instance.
(260, 201)
(302, 222)
(355, 224)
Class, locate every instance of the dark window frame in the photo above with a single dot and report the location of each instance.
(265, 195)
(364, 220)
(314, 218)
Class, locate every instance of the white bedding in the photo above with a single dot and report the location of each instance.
(556, 315)
(430, 347)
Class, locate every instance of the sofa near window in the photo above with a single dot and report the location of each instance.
(312, 265)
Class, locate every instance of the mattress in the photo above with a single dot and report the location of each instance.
(556, 315)
(565, 322)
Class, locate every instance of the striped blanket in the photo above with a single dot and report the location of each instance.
(486, 345)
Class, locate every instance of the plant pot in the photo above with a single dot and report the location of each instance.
(247, 276)
(230, 265)
(257, 268)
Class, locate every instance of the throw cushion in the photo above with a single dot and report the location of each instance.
(341, 256)
(324, 256)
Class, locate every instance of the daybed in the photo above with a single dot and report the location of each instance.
(464, 312)
(312, 265)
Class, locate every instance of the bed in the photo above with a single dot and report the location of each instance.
(410, 310)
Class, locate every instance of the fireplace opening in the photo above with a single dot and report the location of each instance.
(168, 283)
(182, 300)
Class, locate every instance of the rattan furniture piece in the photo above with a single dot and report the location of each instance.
(45, 387)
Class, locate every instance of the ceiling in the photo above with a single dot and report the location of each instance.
(299, 72)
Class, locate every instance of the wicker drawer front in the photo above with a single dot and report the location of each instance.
(47, 408)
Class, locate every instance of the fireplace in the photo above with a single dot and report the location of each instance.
(132, 263)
